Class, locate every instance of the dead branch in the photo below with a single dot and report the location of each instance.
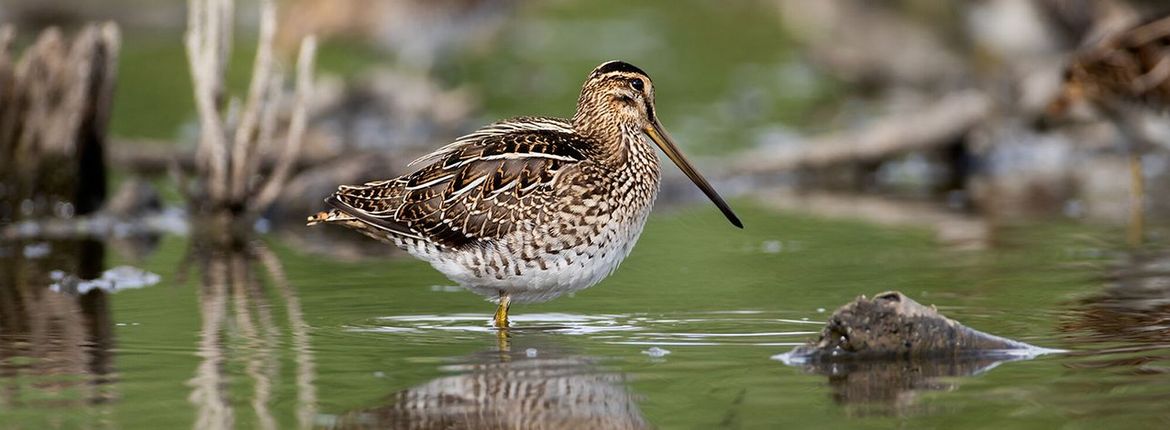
(950, 228)
(937, 125)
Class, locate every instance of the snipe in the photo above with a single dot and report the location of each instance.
(1120, 75)
(530, 208)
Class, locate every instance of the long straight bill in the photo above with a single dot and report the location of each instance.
(663, 140)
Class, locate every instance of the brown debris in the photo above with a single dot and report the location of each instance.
(892, 325)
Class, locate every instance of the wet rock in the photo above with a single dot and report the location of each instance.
(880, 354)
(892, 325)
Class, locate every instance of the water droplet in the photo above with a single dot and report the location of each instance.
(656, 352)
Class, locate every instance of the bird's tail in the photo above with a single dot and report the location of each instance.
(332, 215)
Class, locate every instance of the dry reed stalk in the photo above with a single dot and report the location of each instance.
(234, 135)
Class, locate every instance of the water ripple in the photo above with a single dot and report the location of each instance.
(730, 327)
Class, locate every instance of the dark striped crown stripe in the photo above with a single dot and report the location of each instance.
(618, 66)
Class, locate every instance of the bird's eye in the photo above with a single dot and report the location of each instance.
(637, 84)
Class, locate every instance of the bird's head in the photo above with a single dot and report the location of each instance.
(617, 95)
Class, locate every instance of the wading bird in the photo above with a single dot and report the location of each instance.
(1120, 75)
(529, 208)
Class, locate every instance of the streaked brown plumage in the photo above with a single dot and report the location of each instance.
(1126, 70)
(529, 208)
(479, 188)
(1131, 67)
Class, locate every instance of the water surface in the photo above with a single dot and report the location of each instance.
(682, 336)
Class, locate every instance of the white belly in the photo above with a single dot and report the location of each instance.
(485, 271)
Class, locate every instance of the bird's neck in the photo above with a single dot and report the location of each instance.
(612, 139)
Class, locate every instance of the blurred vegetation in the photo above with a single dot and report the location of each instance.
(738, 81)
(154, 99)
(736, 72)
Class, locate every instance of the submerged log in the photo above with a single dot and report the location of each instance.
(892, 326)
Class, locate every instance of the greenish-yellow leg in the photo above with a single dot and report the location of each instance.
(501, 319)
(1137, 201)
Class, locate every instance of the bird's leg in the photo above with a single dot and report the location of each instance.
(504, 344)
(501, 319)
(1137, 140)
(1137, 198)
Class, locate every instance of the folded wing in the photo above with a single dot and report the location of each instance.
(476, 189)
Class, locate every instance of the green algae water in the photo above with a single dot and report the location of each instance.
(260, 335)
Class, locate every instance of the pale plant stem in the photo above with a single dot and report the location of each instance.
(296, 130)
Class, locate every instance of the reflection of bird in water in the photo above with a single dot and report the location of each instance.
(530, 208)
(1134, 305)
(511, 390)
(1117, 75)
(1120, 331)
